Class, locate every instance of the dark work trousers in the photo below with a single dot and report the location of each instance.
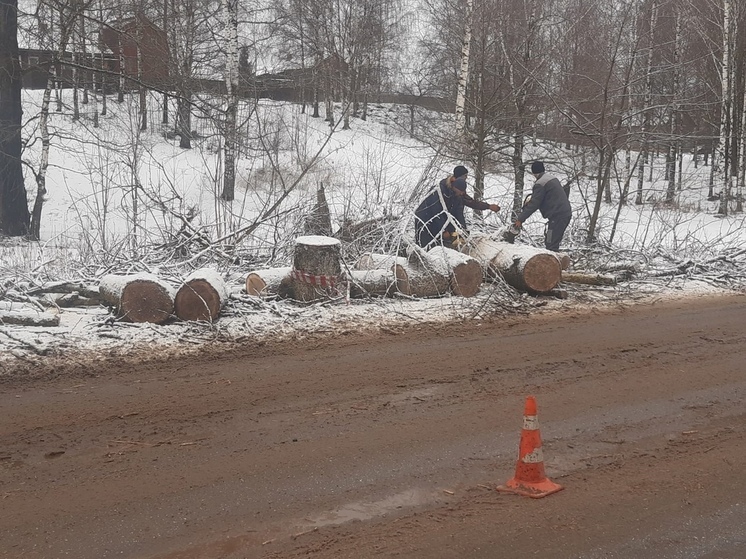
(555, 230)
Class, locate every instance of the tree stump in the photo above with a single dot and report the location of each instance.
(202, 296)
(266, 282)
(317, 268)
(138, 297)
(524, 267)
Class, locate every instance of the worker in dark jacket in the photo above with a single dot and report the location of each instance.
(550, 199)
(439, 219)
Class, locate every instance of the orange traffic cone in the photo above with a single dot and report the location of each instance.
(530, 479)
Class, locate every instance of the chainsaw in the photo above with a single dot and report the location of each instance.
(514, 230)
(511, 233)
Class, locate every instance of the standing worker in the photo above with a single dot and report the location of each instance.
(440, 215)
(550, 198)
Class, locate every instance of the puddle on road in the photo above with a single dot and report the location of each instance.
(366, 510)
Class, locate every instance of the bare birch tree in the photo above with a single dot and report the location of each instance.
(463, 72)
(230, 8)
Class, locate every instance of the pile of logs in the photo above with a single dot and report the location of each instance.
(317, 272)
(146, 298)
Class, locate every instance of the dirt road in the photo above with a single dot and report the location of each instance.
(391, 445)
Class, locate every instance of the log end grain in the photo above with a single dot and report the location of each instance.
(466, 278)
(542, 273)
(146, 301)
(255, 285)
(198, 300)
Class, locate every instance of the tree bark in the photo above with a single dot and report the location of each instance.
(417, 281)
(380, 282)
(317, 268)
(202, 296)
(464, 272)
(719, 163)
(463, 74)
(373, 261)
(231, 111)
(138, 297)
(14, 214)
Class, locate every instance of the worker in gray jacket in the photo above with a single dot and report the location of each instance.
(550, 199)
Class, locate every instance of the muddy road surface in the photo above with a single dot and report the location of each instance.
(391, 445)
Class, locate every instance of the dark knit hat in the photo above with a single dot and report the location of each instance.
(460, 184)
(460, 171)
(537, 167)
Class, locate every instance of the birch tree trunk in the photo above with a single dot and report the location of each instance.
(41, 175)
(646, 105)
(742, 149)
(674, 110)
(231, 111)
(463, 75)
(719, 164)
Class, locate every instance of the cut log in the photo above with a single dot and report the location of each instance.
(379, 282)
(418, 281)
(373, 261)
(464, 272)
(138, 297)
(266, 282)
(24, 315)
(524, 267)
(317, 268)
(201, 296)
(588, 279)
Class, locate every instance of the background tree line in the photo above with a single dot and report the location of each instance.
(622, 79)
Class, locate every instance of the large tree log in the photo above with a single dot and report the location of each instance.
(138, 297)
(373, 261)
(201, 296)
(464, 272)
(421, 275)
(364, 283)
(317, 269)
(524, 267)
(266, 282)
